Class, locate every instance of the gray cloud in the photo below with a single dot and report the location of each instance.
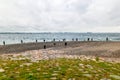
(60, 15)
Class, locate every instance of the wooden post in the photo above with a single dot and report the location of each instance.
(76, 39)
(44, 40)
(63, 39)
(54, 44)
(107, 39)
(21, 41)
(36, 41)
(54, 39)
(91, 39)
(3, 42)
(44, 46)
(65, 43)
(88, 39)
(72, 39)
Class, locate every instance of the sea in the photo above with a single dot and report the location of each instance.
(15, 38)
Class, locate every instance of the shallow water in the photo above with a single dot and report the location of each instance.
(11, 38)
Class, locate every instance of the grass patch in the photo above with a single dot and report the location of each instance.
(58, 69)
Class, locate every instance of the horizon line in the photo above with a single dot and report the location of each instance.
(59, 32)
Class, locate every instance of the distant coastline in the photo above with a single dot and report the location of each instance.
(55, 32)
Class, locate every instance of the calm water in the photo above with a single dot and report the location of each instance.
(11, 38)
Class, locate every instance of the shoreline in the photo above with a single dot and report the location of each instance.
(11, 48)
(109, 51)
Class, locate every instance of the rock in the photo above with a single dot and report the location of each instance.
(2, 70)
(115, 76)
(105, 79)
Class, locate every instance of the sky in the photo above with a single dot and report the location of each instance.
(59, 15)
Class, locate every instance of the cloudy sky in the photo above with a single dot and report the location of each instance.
(59, 15)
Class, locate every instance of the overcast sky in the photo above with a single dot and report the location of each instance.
(59, 15)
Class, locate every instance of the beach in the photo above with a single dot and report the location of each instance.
(66, 60)
(109, 51)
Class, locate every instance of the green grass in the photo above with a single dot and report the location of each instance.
(59, 69)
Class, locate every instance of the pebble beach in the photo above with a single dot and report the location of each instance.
(108, 51)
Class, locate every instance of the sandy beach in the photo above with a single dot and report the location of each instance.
(109, 51)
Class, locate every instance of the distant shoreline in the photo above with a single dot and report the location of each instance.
(53, 32)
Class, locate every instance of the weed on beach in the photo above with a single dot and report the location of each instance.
(58, 69)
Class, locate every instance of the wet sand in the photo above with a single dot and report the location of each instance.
(15, 48)
(109, 51)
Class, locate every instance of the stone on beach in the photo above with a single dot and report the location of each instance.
(2, 70)
(61, 52)
(115, 77)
